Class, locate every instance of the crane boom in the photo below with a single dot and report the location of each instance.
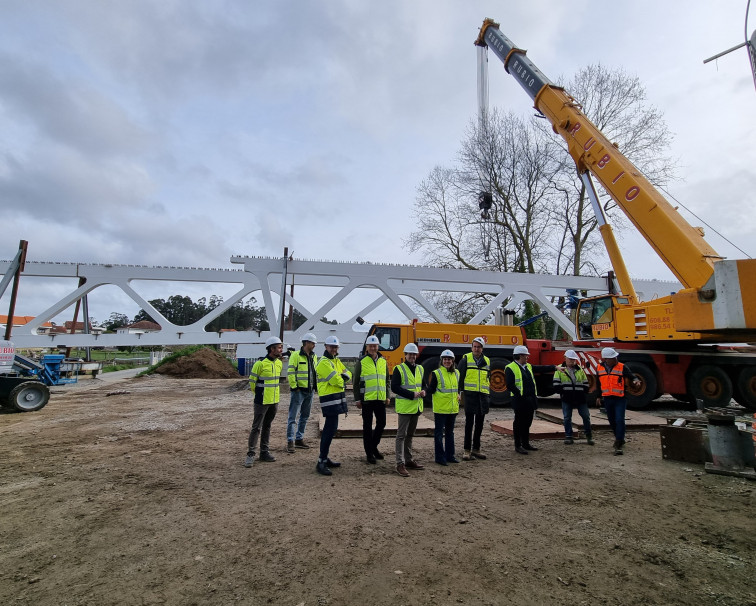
(718, 296)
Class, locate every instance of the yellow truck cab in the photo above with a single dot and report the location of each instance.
(431, 339)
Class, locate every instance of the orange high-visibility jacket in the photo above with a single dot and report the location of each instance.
(612, 383)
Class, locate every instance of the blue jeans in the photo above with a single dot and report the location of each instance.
(615, 410)
(584, 414)
(444, 432)
(329, 430)
(299, 400)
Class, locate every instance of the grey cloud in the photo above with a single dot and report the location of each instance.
(167, 49)
(57, 184)
(67, 111)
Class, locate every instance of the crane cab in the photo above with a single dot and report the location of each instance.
(596, 317)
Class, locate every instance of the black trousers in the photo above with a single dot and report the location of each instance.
(524, 409)
(329, 431)
(371, 437)
(476, 407)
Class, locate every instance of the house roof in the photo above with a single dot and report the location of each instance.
(21, 320)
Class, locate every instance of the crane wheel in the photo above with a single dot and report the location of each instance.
(29, 396)
(497, 383)
(745, 387)
(640, 397)
(711, 384)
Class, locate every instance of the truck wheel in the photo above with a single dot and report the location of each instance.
(499, 395)
(29, 396)
(641, 396)
(710, 384)
(745, 388)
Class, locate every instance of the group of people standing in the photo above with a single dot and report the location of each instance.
(447, 386)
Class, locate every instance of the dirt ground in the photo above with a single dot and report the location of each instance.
(141, 498)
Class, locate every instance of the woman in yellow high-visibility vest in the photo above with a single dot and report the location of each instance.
(443, 386)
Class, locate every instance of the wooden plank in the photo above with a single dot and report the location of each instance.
(635, 420)
(539, 430)
(351, 426)
(555, 416)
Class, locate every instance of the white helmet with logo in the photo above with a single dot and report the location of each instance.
(411, 348)
(480, 340)
(372, 340)
(571, 354)
(608, 352)
(447, 353)
(272, 341)
(332, 341)
(521, 350)
(309, 337)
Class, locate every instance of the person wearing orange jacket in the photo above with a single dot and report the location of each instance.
(612, 376)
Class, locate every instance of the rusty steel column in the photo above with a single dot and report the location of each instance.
(14, 290)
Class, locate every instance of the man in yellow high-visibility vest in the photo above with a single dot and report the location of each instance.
(332, 379)
(520, 378)
(407, 385)
(473, 384)
(371, 382)
(264, 380)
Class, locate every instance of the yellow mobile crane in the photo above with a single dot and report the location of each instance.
(717, 303)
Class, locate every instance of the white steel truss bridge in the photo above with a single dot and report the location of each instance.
(406, 287)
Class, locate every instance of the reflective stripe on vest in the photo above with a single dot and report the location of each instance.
(331, 394)
(445, 397)
(412, 383)
(611, 381)
(476, 379)
(373, 378)
(563, 378)
(266, 373)
(298, 372)
(517, 371)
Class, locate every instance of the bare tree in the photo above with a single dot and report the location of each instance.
(541, 219)
(510, 158)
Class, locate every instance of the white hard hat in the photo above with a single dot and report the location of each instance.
(272, 341)
(332, 341)
(411, 348)
(571, 354)
(480, 340)
(447, 353)
(608, 352)
(521, 350)
(372, 340)
(309, 337)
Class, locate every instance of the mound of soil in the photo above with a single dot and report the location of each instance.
(202, 364)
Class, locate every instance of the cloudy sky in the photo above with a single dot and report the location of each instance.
(183, 132)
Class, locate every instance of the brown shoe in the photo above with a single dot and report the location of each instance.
(402, 471)
(289, 446)
(478, 455)
(301, 444)
(414, 465)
